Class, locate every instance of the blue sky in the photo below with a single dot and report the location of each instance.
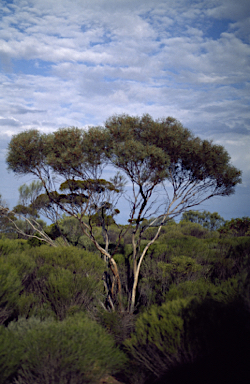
(77, 62)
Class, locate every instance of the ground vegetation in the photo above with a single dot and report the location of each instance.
(193, 311)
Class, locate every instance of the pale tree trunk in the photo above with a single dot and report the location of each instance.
(138, 266)
(112, 263)
(137, 270)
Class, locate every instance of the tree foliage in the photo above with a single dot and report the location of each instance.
(211, 221)
(237, 227)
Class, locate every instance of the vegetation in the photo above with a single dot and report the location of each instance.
(75, 350)
(150, 154)
(192, 311)
(211, 221)
(68, 315)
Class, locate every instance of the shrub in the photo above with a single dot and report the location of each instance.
(10, 355)
(193, 229)
(8, 246)
(46, 281)
(211, 221)
(10, 287)
(157, 339)
(236, 227)
(200, 339)
(74, 351)
(68, 292)
(66, 279)
(202, 288)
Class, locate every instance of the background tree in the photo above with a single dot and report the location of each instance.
(211, 221)
(26, 227)
(27, 213)
(6, 228)
(159, 158)
(236, 227)
(27, 197)
(23, 219)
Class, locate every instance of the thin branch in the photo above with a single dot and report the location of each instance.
(34, 225)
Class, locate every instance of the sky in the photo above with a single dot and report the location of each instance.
(77, 62)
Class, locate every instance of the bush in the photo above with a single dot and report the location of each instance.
(68, 292)
(119, 324)
(67, 279)
(210, 221)
(10, 287)
(196, 339)
(156, 343)
(51, 281)
(74, 351)
(227, 258)
(10, 355)
(8, 246)
(193, 229)
(202, 288)
(236, 227)
(180, 268)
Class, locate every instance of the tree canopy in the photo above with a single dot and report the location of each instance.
(211, 221)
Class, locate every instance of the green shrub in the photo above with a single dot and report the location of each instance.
(210, 221)
(157, 340)
(227, 257)
(76, 350)
(10, 355)
(87, 244)
(10, 287)
(68, 292)
(202, 288)
(204, 335)
(119, 324)
(9, 246)
(66, 280)
(236, 227)
(51, 281)
(193, 229)
(179, 268)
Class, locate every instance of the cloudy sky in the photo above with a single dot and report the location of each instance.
(77, 62)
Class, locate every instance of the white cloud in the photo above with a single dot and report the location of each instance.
(77, 62)
(229, 9)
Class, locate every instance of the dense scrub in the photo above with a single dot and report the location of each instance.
(72, 351)
(191, 322)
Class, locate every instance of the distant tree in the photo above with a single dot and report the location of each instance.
(27, 197)
(5, 226)
(35, 229)
(152, 155)
(27, 223)
(26, 211)
(236, 227)
(211, 221)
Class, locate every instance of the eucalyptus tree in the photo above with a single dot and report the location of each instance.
(26, 226)
(169, 170)
(69, 163)
(24, 217)
(211, 221)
